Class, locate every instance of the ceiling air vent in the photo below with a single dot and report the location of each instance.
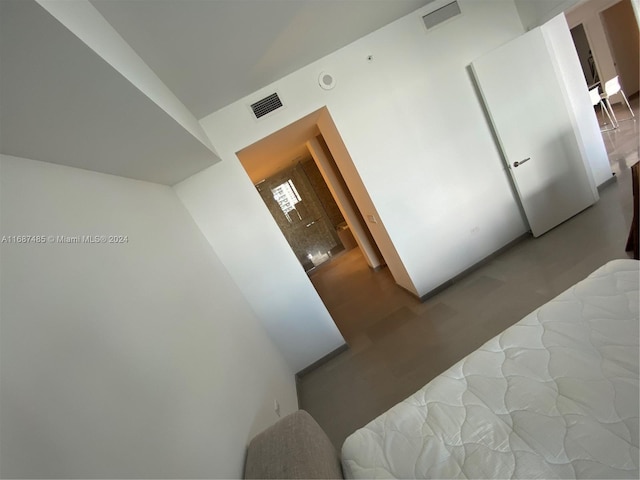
(440, 15)
(266, 105)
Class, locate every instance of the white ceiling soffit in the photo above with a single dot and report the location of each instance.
(211, 53)
(60, 102)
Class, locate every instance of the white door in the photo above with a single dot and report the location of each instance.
(522, 94)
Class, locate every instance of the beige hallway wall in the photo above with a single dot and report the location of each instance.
(622, 33)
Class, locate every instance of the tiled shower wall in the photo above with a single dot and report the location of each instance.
(322, 191)
(310, 228)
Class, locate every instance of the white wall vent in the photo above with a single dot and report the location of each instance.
(266, 105)
(441, 15)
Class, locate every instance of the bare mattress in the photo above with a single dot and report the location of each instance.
(553, 396)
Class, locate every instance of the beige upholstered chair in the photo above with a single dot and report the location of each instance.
(294, 447)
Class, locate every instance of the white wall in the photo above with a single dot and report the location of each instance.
(415, 129)
(534, 13)
(235, 220)
(361, 196)
(134, 360)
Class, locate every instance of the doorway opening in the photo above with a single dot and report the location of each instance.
(587, 61)
(623, 38)
(606, 37)
(296, 174)
(307, 162)
(308, 216)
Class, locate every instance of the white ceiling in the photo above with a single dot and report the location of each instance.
(211, 53)
(61, 102)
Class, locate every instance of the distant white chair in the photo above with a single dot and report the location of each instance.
(596, 99)
(611, 87)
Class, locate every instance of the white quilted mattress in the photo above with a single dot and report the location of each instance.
(553, 396)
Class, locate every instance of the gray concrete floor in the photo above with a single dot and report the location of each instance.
(397, 344)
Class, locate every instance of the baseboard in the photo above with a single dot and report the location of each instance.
(313, 366)
(473, 267)
(323, 360)
(608, 182)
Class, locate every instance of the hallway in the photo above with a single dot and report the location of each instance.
(358, 297)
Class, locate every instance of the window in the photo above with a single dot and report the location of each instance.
(287, 197)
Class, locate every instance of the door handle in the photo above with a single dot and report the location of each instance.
(517, 164)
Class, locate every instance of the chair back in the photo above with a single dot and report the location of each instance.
(611, 87)
(594, 94)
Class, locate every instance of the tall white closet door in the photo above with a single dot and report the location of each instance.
(522, 93)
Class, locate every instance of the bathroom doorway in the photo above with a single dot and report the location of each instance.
(306, 213)
(297, 177)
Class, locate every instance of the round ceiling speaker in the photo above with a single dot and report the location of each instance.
(326, 81)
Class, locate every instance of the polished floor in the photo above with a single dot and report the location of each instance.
(397, 344)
